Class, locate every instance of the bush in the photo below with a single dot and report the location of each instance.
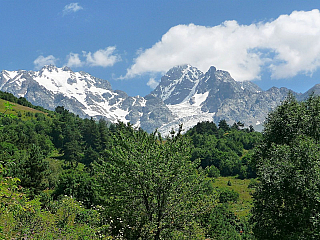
(228, 195)
(212, 171)
(253, 183)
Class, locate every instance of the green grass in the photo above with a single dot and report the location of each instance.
(243, 206)
(18, 108)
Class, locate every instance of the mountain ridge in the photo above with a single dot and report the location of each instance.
(184, 95)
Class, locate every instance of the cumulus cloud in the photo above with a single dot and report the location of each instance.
(74, 60)
(286, 46)
(152, 83)
(102, 57)
(72, 7)
(41, 61)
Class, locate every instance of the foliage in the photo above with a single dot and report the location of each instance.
(79, 184)
(226, 148)
(286, 202)
(32, 170)
(150, 185)
(212, 171)
(23, 218)
(228, 195)
(63, 177)
(221, 223)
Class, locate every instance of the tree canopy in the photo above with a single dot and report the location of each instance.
(152, 187)
(286, 202)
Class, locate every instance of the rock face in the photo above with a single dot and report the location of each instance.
(185, 95)
(178, 84)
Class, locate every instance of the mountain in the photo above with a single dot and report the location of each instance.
(84, 95)
(193, 96)
(184, 95)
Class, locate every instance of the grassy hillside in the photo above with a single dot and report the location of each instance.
(16, 109)
(242, 207)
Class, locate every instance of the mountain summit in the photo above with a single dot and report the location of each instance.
(184, 95)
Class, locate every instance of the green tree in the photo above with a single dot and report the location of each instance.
(221, 223)
(224, 125)
(79, 184)
(72, 153)
(150, 187)
(33, 169)
(104, 136)
(90, 133)
(286, 202)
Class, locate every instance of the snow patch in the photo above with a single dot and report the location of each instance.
(12, 74)
(143, 102)
(7, 76)
(186, 114)
(200, 98)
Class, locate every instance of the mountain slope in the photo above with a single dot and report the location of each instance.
(314, 90)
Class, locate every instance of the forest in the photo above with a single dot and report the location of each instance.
(63, 177)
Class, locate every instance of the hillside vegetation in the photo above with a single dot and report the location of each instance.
(63, 177)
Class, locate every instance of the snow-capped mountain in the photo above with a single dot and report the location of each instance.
(193, 96)
(184, 95)
(84, 95)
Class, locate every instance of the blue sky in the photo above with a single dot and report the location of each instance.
(132, 43)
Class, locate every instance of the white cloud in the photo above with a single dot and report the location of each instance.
(74, 60)
(287, 46)
(72, 7)
(41, 61)
(102, 57)
(152, 83)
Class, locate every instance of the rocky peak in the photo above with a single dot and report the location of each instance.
(66, 69)
(176, 72)
(211, 70)
(314, 90)
(217, 81)
(181, 73)
(177, 84)
(49, 68)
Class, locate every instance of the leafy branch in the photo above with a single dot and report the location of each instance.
(8, 107)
